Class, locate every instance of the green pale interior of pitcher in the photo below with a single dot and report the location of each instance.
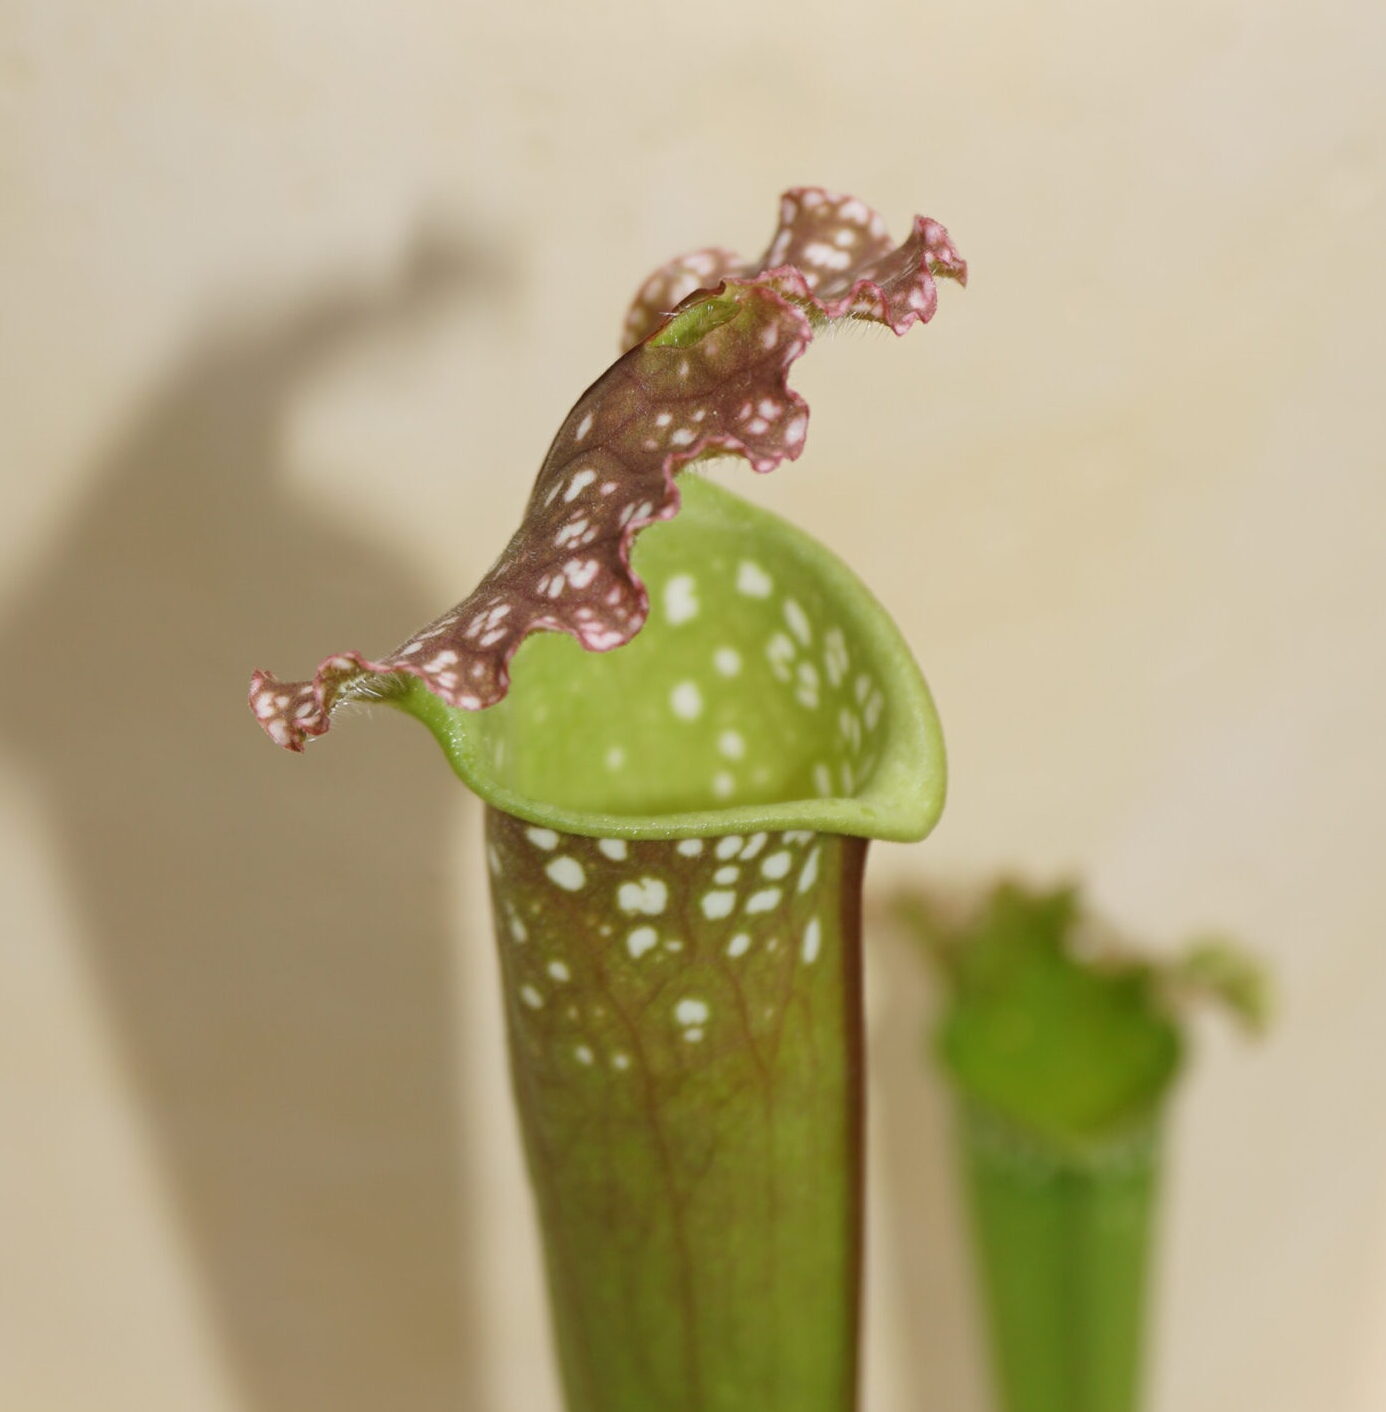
(767, 690)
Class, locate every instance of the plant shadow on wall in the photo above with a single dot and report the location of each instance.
(272, 954)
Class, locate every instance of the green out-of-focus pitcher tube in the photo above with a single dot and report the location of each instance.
(1062, 1046)
(1064, 1253)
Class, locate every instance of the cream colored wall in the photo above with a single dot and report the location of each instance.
(293, 296)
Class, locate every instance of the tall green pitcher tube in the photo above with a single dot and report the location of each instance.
(689, 1091)
(1063, 1243)
(676, 835)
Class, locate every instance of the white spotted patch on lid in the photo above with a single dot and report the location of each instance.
(613, 848)
(806, 685)
(766, 900)
(727, 660)
(780, 652)
(798, 620)
(542, 838)
(681, 598)
(580, 481)
(752, 580)
(689, 847)
(871, 711)
(849, 726)
(836, 658)
(686, 701)
(739, 945)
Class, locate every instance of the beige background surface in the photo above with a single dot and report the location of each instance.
(292, 296)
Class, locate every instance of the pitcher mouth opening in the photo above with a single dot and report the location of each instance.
(767, 689)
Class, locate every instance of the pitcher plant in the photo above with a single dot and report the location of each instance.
(677, 831)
